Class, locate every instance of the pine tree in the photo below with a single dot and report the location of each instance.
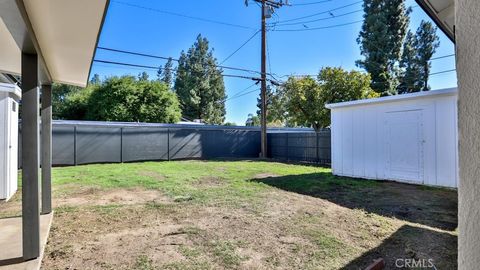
(381, 40)
(143, 76)
(269, 94)
(410, 75)
(427, 43)
(199, 84)
(95, 79)
(165, 73)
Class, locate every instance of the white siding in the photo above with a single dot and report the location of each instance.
(8, 140)
(360, 138)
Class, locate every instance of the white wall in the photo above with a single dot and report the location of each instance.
(467, 35)
(8, 140)
(426, 124)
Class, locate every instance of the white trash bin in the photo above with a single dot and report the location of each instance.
(10, 95)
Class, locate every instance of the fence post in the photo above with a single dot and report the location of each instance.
(75, 145)
(288, 146)
(316, 146)
(121, 144)
(168, 144)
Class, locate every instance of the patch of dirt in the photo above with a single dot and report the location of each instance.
(152, 174)
(115, 196)
(210, 181)
(264, 176)
(141, 229)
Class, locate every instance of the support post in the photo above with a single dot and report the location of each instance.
(264, 82)
(46, 148)
(30, 157)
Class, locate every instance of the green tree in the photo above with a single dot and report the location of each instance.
(381, 39)
(165, 73)
(269, 95)
(306, 97)
(199, 84)
(427, 43)
(60, 92)
(95, 79)
(143, 76)
(252, 120)
(128, 99)
(76, 104)
(410, 75)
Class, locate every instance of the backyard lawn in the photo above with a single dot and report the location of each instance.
(240, 215)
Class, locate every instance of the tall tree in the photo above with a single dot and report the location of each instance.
(165, 73)
(427, 43)
(143, 76)
(269, 95)
(199, 84)
(133, 100)
(95, 79)
(381, 40)
(410, 74)
(306, 97)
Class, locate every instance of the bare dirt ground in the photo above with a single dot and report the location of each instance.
(281, 228)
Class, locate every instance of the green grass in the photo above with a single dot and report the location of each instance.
(183, 181)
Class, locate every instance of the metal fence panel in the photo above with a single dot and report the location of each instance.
(63, 148)
(300, 146)
(98, 144)
(77, 142)
(144, 143)
(186, 143)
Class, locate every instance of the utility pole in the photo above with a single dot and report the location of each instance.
(268, 7)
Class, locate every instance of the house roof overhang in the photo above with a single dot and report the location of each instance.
(443, 13)
(63, 33)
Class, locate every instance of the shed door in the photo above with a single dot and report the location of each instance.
(404, 146)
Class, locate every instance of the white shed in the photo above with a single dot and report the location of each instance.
(9, 97)
(407, 138)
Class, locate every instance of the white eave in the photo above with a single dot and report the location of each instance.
(443, 13)
(64, 33)
(396, 98)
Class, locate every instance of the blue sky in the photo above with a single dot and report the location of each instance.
(150, 27)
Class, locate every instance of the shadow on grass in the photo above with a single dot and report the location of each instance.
(425, 246)
(435, 207)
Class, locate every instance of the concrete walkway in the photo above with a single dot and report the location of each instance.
(11, 243)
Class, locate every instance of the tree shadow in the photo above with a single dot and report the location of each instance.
(428, 249)
(434, 207)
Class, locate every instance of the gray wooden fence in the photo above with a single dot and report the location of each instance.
(79, 142)
(308, 147)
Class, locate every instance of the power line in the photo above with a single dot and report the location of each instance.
(444, 56)
(243, 45)
(173, 59)
(183, 15)
(249, 92)
(241, 92)
(317, 28)
(156, 68)
(441, 72)
(321, 13)
(321, 19)
(311, 3)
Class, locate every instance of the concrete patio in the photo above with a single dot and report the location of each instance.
(11, 239)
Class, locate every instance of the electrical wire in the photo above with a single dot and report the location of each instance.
(243, 91)
(182, 15)
(173, 59)
(321, 13)
(318, 28)
(249, 92)
(243, 45)
(321, 19)
(156, 68)
(311, 3)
